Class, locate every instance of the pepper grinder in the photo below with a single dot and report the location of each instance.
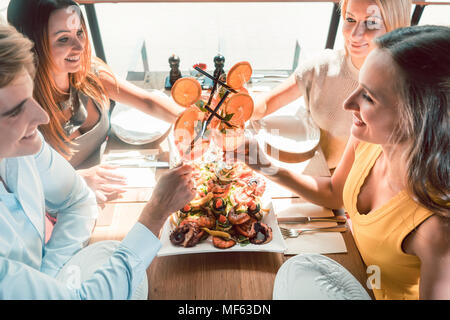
(219, 63)
(175, 74)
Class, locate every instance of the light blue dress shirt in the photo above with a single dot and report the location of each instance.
(47, 182)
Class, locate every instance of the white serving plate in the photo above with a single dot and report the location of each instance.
(135, 127)
(276, 245)
(316, 277)
(289, 130)
(289, 134)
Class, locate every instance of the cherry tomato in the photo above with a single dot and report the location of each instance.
(222, 219)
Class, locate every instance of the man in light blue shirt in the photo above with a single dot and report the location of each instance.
(34, 179)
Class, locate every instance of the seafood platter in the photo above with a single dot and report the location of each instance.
(231, 210)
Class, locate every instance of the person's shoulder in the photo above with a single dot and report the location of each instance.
(323, 61)
(104, 74)
(432, 237)
(329, 57)
(100, 68)
(332, 55)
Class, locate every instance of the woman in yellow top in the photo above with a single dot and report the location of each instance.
(393, 179)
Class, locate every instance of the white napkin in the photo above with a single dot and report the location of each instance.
(319, 242)
(135, 177)
(138, 177)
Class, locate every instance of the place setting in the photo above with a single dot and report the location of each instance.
(310, 232)
(309, 228)
(139, 169)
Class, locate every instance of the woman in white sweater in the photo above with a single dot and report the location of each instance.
(328, 79)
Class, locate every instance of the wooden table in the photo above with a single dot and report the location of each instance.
(222, 276)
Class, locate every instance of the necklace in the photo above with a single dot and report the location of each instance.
(67, 104)
(78, 112)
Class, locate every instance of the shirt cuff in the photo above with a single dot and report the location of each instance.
(141, 241)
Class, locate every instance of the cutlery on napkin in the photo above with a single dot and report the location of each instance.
(311, 242)
(145, 158)
(287, 219)
(129, 155)
(138, 163)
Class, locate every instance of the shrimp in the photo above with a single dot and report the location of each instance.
(221, 191)
(236, 218)
(244, 173)
(206, 221)
(221, 243)
(210, 184)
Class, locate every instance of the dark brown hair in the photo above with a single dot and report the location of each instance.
(421, 55)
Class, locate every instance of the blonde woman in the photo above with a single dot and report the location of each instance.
(326, 80)
(35, 178)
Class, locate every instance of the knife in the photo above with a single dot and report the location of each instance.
(129, 155)
(338, 219)
(272, 75)
(146, 164)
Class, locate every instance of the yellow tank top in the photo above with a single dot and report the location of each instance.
(380, 233)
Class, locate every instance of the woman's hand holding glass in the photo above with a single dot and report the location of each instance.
(251, 154)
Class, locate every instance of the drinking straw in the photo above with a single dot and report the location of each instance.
(214, 79)
(207, 106)
(214, 112)
(211, 95)
(218, 116)
(206, 123)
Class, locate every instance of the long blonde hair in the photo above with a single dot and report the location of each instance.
(395, 13)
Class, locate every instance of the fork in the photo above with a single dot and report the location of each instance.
(294, 233)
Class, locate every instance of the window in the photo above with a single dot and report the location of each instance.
(262, 33)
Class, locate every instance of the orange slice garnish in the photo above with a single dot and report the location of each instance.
(242, 90)
(239, 74)
(184, 127)
(241, 106)
(186, 91)
(184, 133)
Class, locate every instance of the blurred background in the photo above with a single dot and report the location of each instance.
(263, 33)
